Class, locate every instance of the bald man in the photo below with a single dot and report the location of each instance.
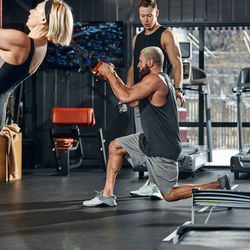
(159, 146)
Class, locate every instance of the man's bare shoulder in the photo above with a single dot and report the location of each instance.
(168, 40)
(153, 79)
(167, 34)
(152, 76)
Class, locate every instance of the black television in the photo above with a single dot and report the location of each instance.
(104, 40)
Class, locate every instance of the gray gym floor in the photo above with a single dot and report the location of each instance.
(43, 211)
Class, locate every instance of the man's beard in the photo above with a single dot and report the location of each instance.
(144, 71)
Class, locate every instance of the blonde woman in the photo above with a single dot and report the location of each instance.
(22, 54)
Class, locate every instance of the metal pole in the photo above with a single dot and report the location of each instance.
(209, 125)
(201, 96)
(239, 121)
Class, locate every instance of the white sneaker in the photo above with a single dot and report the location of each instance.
(100, 200)
(144, 191)
(156, 195)
(148, 190)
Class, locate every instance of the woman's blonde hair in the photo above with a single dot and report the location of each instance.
(60, 23)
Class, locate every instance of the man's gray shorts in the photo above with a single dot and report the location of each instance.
(161, 171)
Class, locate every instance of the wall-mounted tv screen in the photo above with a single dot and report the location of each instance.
(104, 40)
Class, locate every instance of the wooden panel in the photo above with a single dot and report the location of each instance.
(188, 10)
(61, 90)
(225, 11)
(76, 8)
(200, 10)
(239, 10)
(14, 12)
(86, 91)
(111, 10)
(175, 10)
(98, 7)
(213, 10)
(163, 7)
(40, 98)
(85, 10)
(100, 103)
(128, 10)
(28, 130)
(247, 11)
(45, 97)
(75, 89)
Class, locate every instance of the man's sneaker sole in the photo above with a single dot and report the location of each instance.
(157, 196)
(100, 201)
(139, 195)
(99, 205)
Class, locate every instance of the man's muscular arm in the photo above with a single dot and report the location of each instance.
(130, 82)
(143, 89)
(130, 75)
(171, 46)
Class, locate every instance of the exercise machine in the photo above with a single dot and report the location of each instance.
(241, 161)
(186, 55)
(194, 157)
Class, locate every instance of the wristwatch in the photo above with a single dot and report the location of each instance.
(180, 89)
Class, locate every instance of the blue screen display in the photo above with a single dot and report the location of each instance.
(104, 40)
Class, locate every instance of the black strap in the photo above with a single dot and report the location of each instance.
(48, 6)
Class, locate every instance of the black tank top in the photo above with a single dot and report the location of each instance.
(12, 75)
(142, 41)
(161, 135)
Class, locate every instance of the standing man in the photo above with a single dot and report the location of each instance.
(154, 35)
(159, 145)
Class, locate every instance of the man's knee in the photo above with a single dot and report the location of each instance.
(169, 197)
(115, 148)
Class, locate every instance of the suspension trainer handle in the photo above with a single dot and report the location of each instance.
(96, 72)
(96, 62)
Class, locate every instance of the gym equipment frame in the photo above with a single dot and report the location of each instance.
(241, 161)
(65, 143)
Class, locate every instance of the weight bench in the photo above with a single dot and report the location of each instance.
(219, 198)
(224, 237)
(65, 145)
(217, 235)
